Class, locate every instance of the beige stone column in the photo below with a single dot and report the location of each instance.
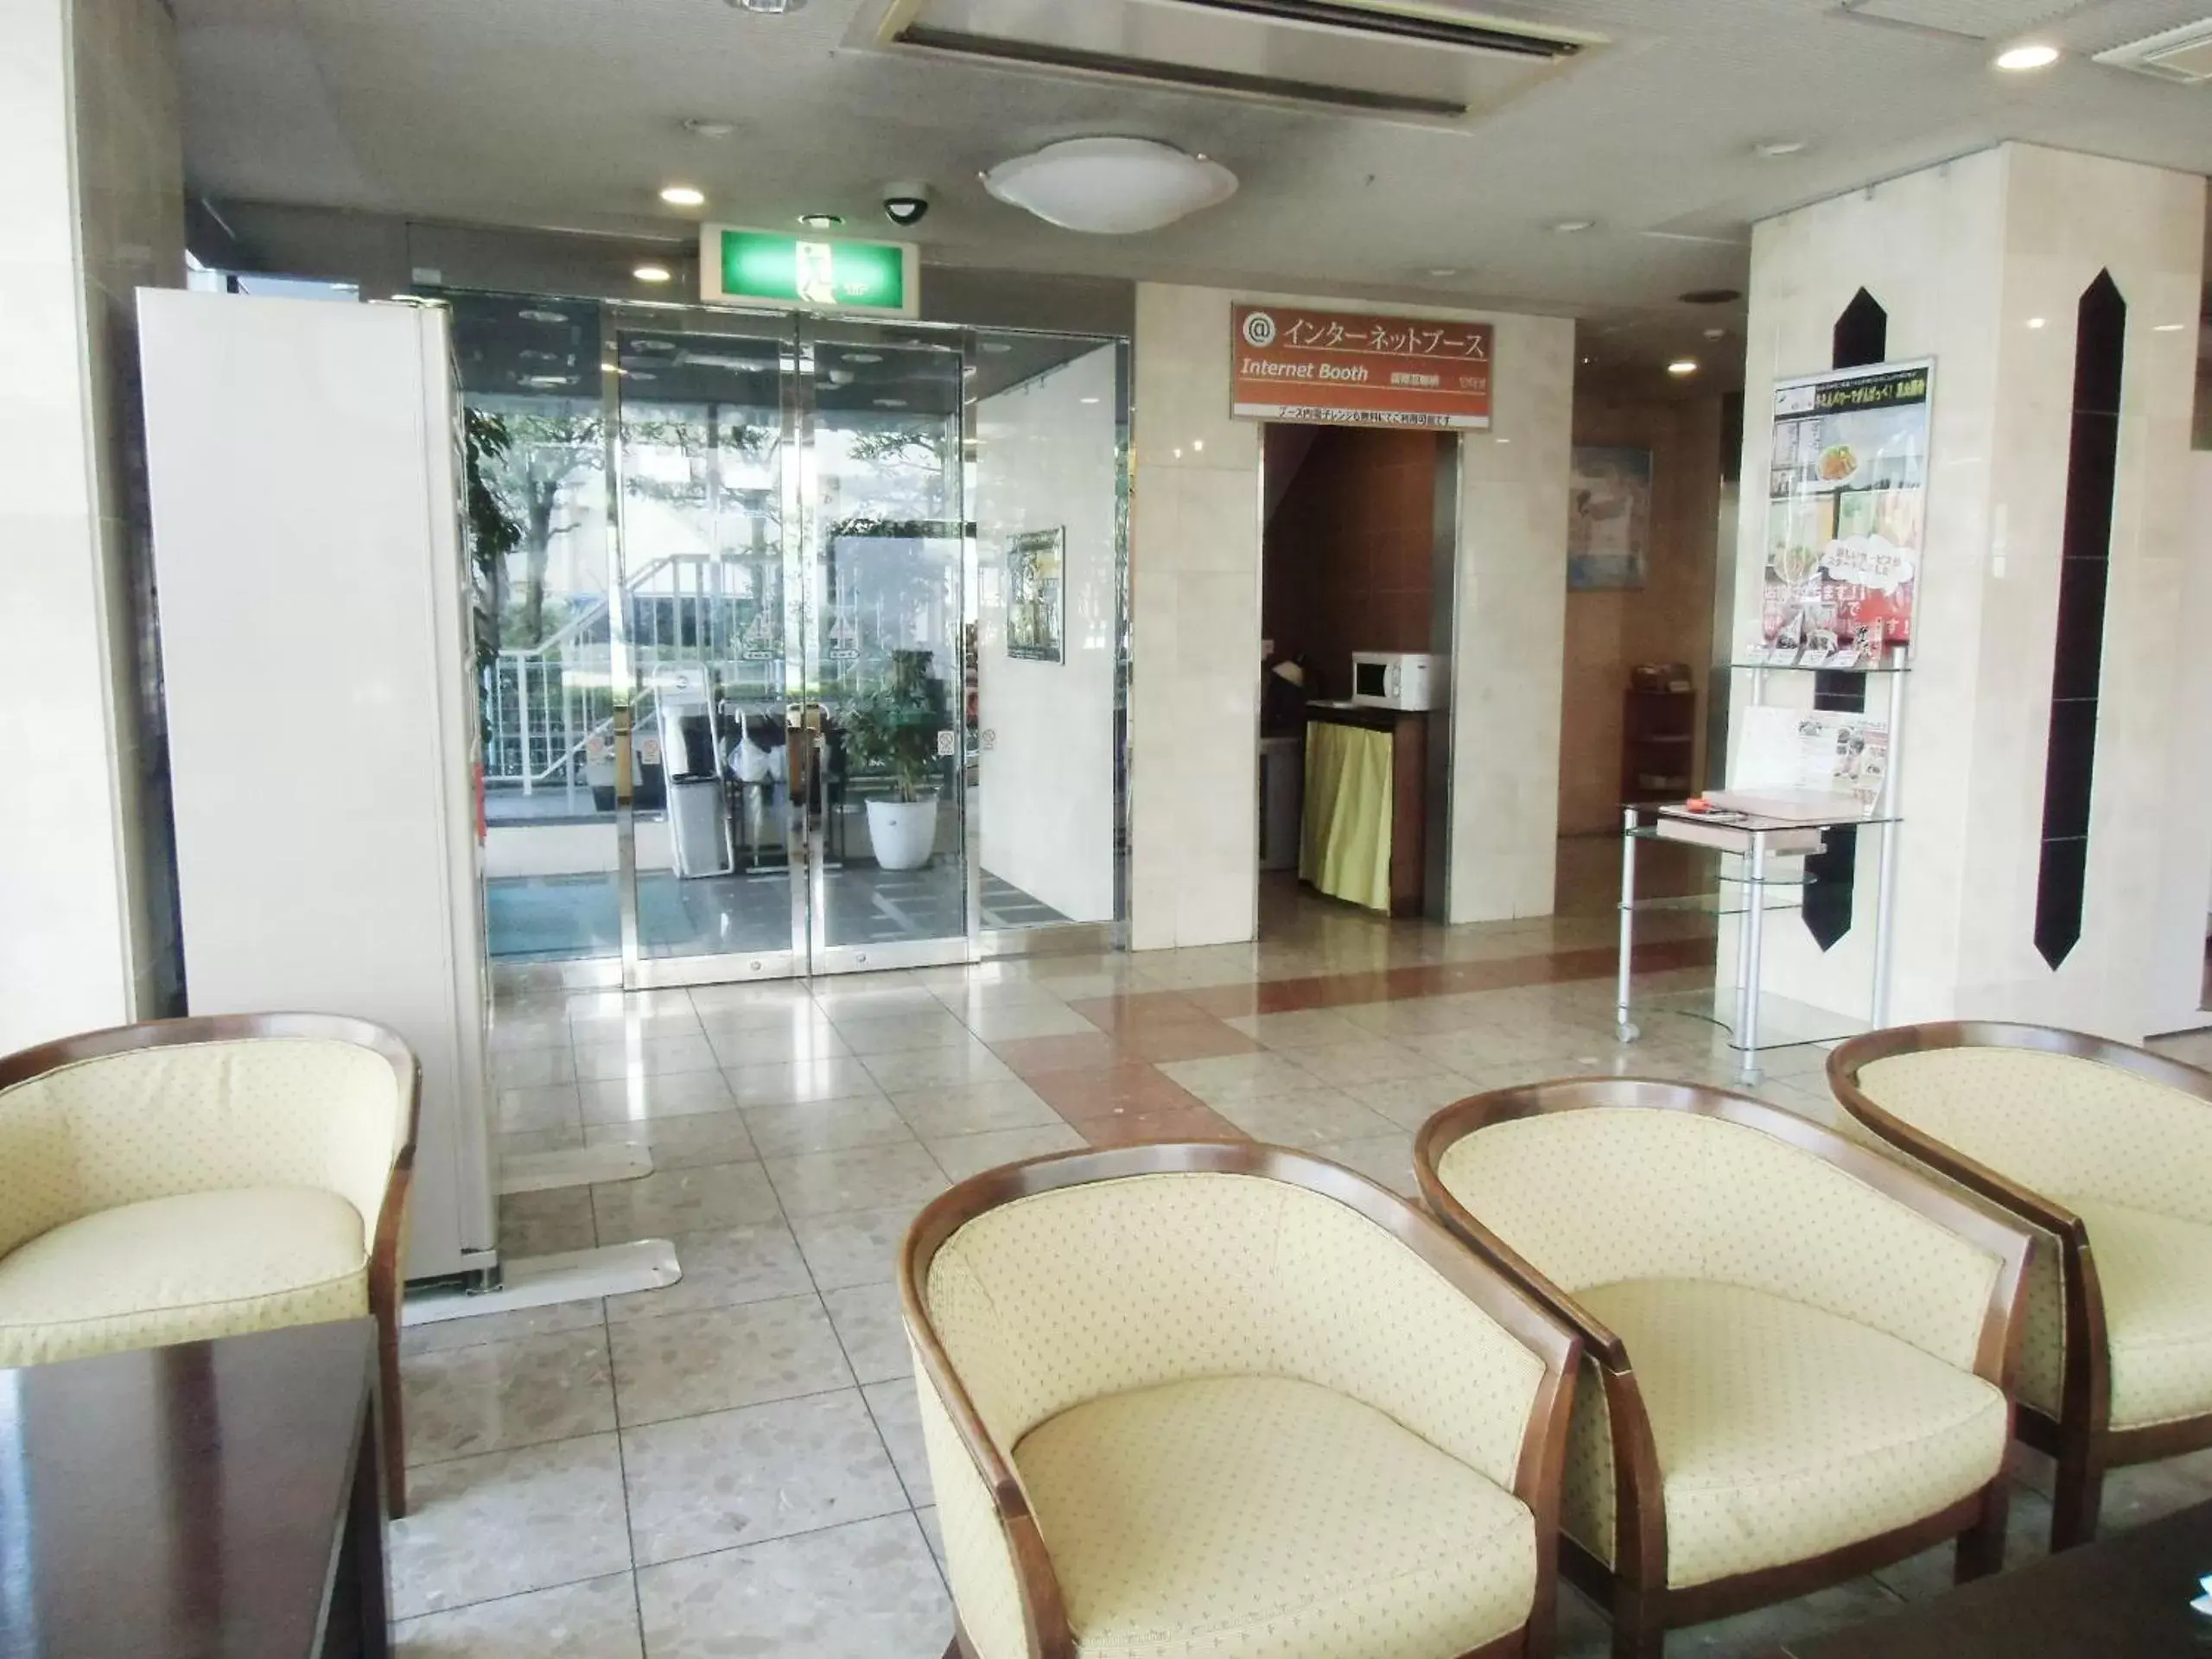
(93, 197)
(1981, 265)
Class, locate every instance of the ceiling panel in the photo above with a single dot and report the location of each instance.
(568, 114)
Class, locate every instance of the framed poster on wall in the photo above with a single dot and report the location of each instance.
(1846, 517)
(1036, 595)
(1609, 517)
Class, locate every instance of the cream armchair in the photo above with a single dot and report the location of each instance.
(190, 1179)
(2105, 1153)
(1231, 1401)
(1794, 1352)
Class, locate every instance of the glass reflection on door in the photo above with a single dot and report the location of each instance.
(534, 448)
(701, 451)
(887, 641)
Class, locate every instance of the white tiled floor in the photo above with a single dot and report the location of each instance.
(732, 1465)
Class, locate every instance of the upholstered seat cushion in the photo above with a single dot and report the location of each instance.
(2155, 1274)
(1241, 1516)
(1783, 1431)
(179, 1269)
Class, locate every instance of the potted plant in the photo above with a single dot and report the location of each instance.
(894, 734)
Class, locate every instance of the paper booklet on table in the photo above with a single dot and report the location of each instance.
(1731, 831)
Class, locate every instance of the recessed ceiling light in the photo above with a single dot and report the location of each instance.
(1086, 400)
(2168, 327)
(770, 7)
(822, 221)
(1570, 227)
(1683, 365)
(2035, 322)
(2033, 55)
(651, 273)
(1716, 333)
(1444, 270)
(543, 316)
(683, 195)
(1775, 149)
(891, 403)
(702, 126)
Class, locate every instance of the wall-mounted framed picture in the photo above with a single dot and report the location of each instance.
(1609, 517)
(1036, 595)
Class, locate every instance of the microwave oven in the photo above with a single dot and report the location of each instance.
(1392, 679)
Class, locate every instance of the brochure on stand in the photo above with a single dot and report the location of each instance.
(1731, 831)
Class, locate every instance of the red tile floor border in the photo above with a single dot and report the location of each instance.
(1106, 1084)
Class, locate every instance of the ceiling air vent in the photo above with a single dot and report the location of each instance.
(1401, 57)
(2183, 55)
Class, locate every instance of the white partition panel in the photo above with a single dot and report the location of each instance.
(321, 704)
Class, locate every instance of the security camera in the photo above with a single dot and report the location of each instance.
(904, 205)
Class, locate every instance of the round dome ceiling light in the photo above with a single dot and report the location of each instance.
(822, 221)
(1111, 187)
(2031, 55)
(769, 8)
(684, 195)
(1683, 365)
(652, 273)
(708, 126)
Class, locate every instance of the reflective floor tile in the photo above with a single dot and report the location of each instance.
(870, 1178)
(646, 1055)
(472, 1330)
(683, 1201)
(971, 1108)
(538, 1106)
(867, 1321)
(595, 1619)
(679, 1364)
(701, 1483)
(839, 1076)
(853, 1247)
(962, 1155)
(1411, 1101)
(1372, 1060)
(493, 1396)
(507, 1522)
(866, 1591)
(967, 1061)
(691, 1143)
(723, 1268)
(543, 1223)
(897, 1033)
(1306, 1117)
(826, 1126)
(898, 1412)
(1226, 1077)
(640, 1100)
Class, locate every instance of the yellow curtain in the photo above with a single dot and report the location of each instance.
(1344, 847)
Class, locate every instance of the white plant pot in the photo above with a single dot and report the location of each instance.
(903, 833)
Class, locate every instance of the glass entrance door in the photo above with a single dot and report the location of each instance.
(788, 658)
(803, 645)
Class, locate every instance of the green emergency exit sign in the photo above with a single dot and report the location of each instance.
(808, 273)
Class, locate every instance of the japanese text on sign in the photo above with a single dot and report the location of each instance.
(1349, 369)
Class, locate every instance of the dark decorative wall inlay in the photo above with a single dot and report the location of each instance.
(1861, 337)
(2077, 656)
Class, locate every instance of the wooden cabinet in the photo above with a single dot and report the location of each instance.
(1658, 745)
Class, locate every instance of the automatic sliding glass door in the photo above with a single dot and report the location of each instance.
(804, 644)
(791, 553)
